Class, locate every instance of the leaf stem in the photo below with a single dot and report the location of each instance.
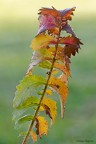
(35, 115)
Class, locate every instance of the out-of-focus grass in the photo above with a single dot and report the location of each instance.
(80, 116)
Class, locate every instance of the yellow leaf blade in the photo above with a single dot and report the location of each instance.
(50, 107)
(63, 68)
(61, 88)
(33, 136)
(41, 125)
(49, 92)
(42, 40)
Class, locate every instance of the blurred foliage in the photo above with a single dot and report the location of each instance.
(80, 116)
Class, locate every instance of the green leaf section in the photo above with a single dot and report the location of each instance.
(25, 90)
(25, 119)
(26, 97)
(17, 114)
(31, 80)
(45, 64)
(30, 101)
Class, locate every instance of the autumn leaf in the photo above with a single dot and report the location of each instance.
(42, 40)
(72, 44)
(41, 126)
(71, 40)
(46, 22)
(61, 88)
(33, 136)
(68, 29)
(50, 108)
(62, 67)
(35, 60)
(49, 11)
(67, 13)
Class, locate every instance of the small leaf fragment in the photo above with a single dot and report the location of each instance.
(46, 64)
(68, 29)
(70, 50)
(49, 92)
(62, 67)
(35, 60)
(23, 133)
(41, 126)
(33, 136)
(25, 118)
(54, 72)
(67, 13)
(54, 31)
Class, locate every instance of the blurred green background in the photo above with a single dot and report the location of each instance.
(18, 26)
